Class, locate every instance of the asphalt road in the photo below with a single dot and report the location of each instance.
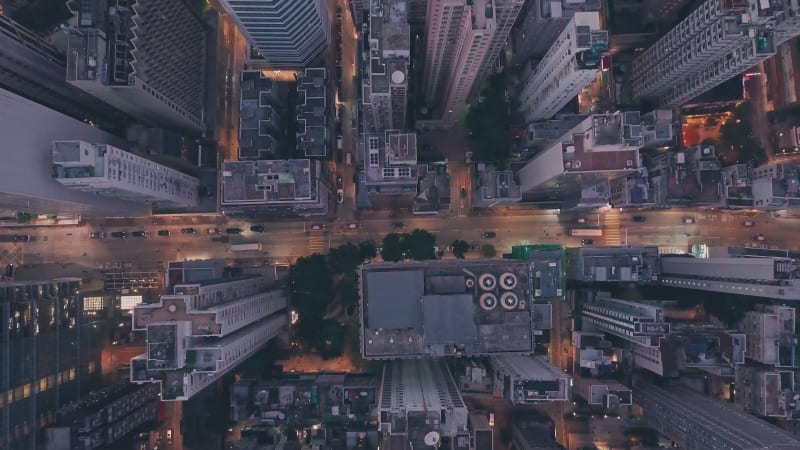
(292, 239)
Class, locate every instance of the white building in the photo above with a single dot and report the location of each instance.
(639, 323)
(599, 148)
(759, 277)
(776, 187)
(385, 81)
(718, 40)
(287, 33)
(146, 59)
(391, 163)
(111, 172)
(570, 65)
(770, 335)
(530, 379)
(200, 331)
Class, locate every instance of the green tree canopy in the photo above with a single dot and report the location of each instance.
(419, 244)
(392, 248)
(737, 133)
(344, 258)
(488, 123)
(460, 248)
(488, 251)
(367, 250)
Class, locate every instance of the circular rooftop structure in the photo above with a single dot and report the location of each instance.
(398, 77)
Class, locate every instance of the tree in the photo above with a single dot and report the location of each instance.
(367, 250)
(488, 123)
(419, 245)
(392, 248)
(344, 258)
(488, 251)
(331, 339)
(737, 133)
(460, 248)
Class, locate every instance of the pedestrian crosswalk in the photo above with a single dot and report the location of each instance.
(611, 228)
(317, 242)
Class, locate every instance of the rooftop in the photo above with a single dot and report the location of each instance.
(260, 126)
(496, 186)
(268, 181)
(78, 159)
(627, 264)
(482, 15)
(312, 113)
(392, 156)
(440, 308)
(434, 190)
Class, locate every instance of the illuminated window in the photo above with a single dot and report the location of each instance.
(43, 384)
(10, 396)
(26, 390)
(92, 367)
(127, 302)
(93, 303)
(71, 374)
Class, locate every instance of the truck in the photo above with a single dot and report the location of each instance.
(244, 247)
(582, 232)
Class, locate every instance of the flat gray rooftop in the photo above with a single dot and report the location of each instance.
(267, 181)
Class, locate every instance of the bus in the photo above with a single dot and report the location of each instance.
(586, 232)
(244, 247)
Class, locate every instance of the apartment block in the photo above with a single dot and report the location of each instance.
(697, 422)
(593, 355)
(571, 63)
(658, 128)
(771, 337)
(391, 163)
(106, 170)
(198, 332)
(530, 380)
(262, 116)
(144, 57)
(386, 72)
(612, 264)
(546, 265)
(639, 323)
(104, 417)
(313, 134)
(737, 188)
(719, 39)
(776, 186)
(769, 277)
(445, 308)
(459, 34)
(297, 33)
(690, 176)
(767, 392)
(494, 187)
(599, 148)
(49, 357)
(285, 184)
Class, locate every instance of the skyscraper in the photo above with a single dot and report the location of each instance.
(45, 357)
(145, 57)
(287, 33)
(201, 330)
(385, 81)
(718, 40)
(505, 14)
(458, 38)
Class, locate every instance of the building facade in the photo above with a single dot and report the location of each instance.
(572, 62)
(771, 337)
(286, 33)
(530, 380)
(313, 133)
(391, 163)
(47, 358)
(719, 39)
(108, 171)
(639, 323)
(130, 57)
(505, 15)
(200, 331)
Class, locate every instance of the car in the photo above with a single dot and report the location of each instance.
(748, 223)
(169, 436)
(22, 238)
(214, 231)
(400, 225)
(688, 220)
(140, 234)
(339, 196)
(233, 230)
(98, 235)
(581, 219)
(119, 234)
(354, 226)
(759, 237)
(257, 228)
(189, 230)
(318, 226)
(587, 241)
(463, 191)
(163, 232)
(489, 235)
(639, 219)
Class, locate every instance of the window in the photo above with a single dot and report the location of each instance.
(388, 172)
(374, 144)
(374, 160)
(92, 303)
(404, 172)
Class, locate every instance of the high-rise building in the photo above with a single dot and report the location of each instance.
(505, 15)
(144, 57)
(639, 323)
(612, 264)
(771, 337)
(459, 34)
(572, 62)
(698, 422)
(313, 133)
(419, 404)
(719, 39)
(770, 277)
(106, 170)
(34, 69)
(530, 379)
(599, 148)
(417, 9)
(287, 33)
(46, 357)
(391, 163)
(200, 331)
(385, 80)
